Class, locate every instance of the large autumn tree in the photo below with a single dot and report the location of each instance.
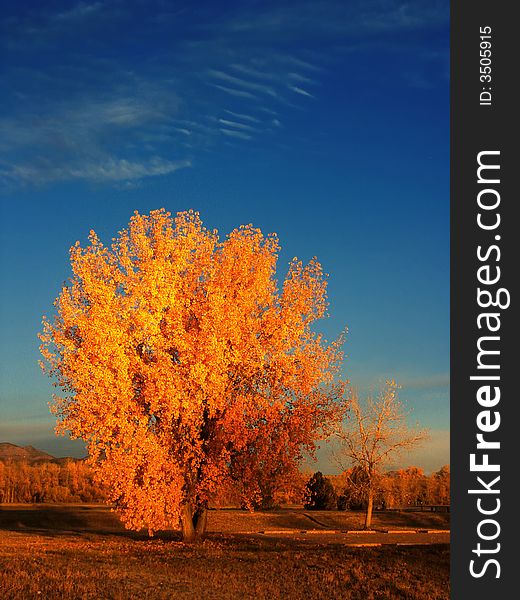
(182, 365)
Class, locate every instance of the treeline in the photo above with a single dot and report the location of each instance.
(68, 481)
(73, 481)
(348, 491)
(395, 489)
(411, 487)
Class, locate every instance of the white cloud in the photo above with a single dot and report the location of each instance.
(311, 20)
(80, 11)
(300, 78)
(301, 91)
(235, 134)
(108, 170)
(119, 134)
(236, 125)
(242, 116)
(103, 114)
(252, 72)
(123, 170)
(234, 92)
(242, 83)
(298, 62)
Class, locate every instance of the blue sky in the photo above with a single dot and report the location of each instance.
(326, 122)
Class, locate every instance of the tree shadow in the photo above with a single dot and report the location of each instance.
(419, 519)
(234, 526)
(55, 521)
(59, 520)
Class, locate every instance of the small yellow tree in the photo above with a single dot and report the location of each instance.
(375, 433)
(182, 365)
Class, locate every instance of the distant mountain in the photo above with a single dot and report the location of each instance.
(28, 454)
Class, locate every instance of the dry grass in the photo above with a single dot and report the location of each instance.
(381, 520)
(82, 553)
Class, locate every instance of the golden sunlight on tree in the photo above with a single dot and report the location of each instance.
(374, 433)
(184, 367)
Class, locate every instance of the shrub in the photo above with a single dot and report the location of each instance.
(319, 493)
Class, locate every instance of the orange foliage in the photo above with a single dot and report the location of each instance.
(183, 366)
(394, 489)
(63, 481)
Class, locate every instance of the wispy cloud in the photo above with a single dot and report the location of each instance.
(242, 116)
(294, 61)
(300, 78)
(301, 91)
(79, 11)
(252, 72)
(40, 25)
(236, 134)
(236, 125)
(109, 170)
(122, 169)
(237, 81)
(92, 103)
(336, 18)
(268, 110)
(234, 92)
(121, 133)
(96, 118)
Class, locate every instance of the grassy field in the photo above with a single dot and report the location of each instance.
(80, 552)
(98, 518)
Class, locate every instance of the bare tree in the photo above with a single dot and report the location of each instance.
(375, 432)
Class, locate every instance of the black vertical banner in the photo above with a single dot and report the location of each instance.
(485, 259)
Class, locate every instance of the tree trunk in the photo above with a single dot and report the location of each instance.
(370, 504)
(193, 523)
